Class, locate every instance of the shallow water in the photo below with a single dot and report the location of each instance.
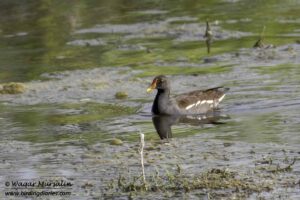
(74, 58)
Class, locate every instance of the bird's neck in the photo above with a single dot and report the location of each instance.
(163, 92)
(161, 100)
(163, 95)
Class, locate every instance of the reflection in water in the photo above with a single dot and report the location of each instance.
(163, 123)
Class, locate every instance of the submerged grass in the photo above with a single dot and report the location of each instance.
(268, 165)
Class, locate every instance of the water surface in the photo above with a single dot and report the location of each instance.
(73, 57)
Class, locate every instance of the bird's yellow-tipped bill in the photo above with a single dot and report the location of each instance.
(152, 86)
(149, 89)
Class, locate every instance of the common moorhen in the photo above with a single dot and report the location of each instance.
(191, 103)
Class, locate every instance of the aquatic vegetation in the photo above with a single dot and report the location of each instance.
(178, 181)
(283, 69)
(266, 164)
(72, 134)
(173, 70)
(260, 43)
(12, 88)
(209, 36)
(116, 141)
(121, 95)
(264, 177)
(90, 112)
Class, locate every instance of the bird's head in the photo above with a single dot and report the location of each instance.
(160, 82)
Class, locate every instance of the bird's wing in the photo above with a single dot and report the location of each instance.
(199, 98)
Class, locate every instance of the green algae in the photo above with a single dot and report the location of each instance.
(283, 69)
(91, 112)
(47, 123)
(171, 70)
(55, 27)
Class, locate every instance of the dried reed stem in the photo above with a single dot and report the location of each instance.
(141, 150)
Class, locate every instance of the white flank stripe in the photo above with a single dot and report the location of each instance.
(190, 106)
(221, 98)
(210, 101)
(201, 117)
